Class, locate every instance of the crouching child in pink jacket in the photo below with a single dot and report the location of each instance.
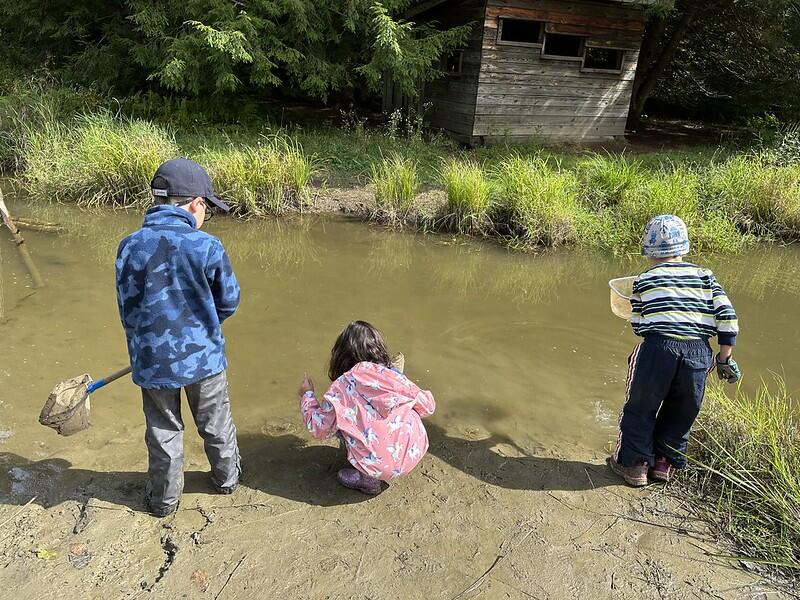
(372, 407)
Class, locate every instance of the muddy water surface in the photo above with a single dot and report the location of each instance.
(522, 353)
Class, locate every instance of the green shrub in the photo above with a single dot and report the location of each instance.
(468, 195)
(539, 204)
(746, 451)
(787, 151)
(396, 184)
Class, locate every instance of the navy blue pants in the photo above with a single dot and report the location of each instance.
(666, 384)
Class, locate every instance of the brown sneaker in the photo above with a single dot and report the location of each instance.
(635, 476)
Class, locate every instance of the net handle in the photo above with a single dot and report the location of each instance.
(108, 379)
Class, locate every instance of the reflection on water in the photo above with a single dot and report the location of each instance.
(271, 245)
(514, 346)
(760, 274)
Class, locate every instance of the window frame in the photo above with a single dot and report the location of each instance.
(446, 57)
(501, 41)
(579, 58)
(617, 71)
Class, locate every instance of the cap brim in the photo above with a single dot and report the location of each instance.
(219, 203)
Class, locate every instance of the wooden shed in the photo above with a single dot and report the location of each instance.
(534, 69)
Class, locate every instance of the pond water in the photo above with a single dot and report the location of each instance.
(518, 345)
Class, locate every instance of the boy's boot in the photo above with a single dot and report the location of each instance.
(662, 470)
(635, 476)
(160, 512)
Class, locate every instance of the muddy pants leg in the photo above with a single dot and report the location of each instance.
(680, 409)
(211, 408)
(164, 439)
(650, 373)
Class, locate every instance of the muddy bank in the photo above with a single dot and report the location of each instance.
(359, 201)
(482, 517)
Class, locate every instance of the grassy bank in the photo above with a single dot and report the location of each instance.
(529, 196)
(100, 158)
(746, 457)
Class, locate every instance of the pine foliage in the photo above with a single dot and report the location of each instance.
(307, 48)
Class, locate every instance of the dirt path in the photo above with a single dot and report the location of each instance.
(481, 518)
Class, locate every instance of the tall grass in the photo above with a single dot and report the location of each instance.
(469, 195)
(259, 180)
(28, 102)
(761, 197)
(64, 146)
(675, 191)
(539, 204)
(607, 179)
(396, 183)
(95, 160)
(746, 450)
(100, 158)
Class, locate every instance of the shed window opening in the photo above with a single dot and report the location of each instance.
(603, 59)
(559, 44)
(452, 62)
(521, 31)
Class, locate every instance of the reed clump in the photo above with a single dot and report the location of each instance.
(396, 183)
(762, 197)
(28, 102)
(675, 191)
(267, 179)
(746, 457)
(469, 196)
(100, 158)
(607, 180)
(539, 204)
(96, 159)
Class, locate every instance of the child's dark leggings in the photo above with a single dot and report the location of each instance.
(665, 388)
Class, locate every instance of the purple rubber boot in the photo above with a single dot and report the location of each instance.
(662, 470)
(355, 480)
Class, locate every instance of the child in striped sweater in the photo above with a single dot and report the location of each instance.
(677, 308)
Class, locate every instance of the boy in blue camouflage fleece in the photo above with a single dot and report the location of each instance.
(175, 287)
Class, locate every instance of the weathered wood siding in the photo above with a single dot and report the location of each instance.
(452, 97)
(522, 95)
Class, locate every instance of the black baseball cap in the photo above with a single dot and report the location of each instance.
(184, 177)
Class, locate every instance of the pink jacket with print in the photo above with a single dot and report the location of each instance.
(379, 414)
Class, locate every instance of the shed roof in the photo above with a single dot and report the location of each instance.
(426, 6)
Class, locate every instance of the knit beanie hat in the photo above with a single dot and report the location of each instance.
(664, 237)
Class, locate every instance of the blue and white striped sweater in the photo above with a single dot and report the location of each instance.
(682, 300)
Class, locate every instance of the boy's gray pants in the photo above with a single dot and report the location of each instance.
(211, 409)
